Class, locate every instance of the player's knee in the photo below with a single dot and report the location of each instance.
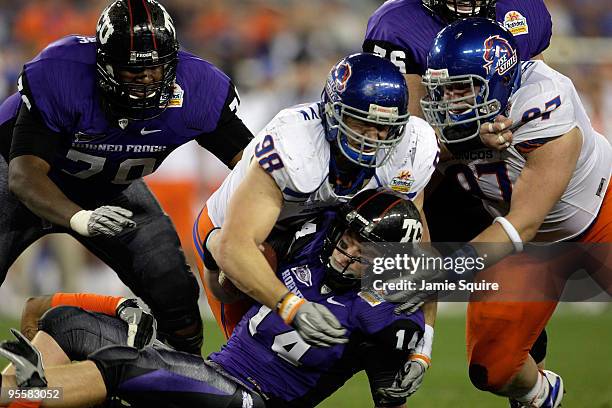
(79, 332)
(479, 376)
(490, 377)
(538, 350)
(182, 329)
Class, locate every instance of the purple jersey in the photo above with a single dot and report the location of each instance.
(268, 354)
(59, 85)
(404, 30)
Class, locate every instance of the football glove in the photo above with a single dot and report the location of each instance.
(411, 375)
(29, 370)
(142, 326)
(107, 220)
(410, 300)
(315, 324)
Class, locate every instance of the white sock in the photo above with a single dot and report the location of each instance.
(538, 394)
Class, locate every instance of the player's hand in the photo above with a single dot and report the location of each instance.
(414, 293)
(107, 220)
(142, 326)
(411, 375)
(314, 323)
(497, 135)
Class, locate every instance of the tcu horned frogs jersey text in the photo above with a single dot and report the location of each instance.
(549, 106)
(59, 87)
(403, 30)
(282, 365)
(292, 148)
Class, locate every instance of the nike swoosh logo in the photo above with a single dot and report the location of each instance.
(334, 302)
(144, 131)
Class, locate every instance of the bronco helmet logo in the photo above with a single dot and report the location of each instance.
(499, 56)
(342, 75)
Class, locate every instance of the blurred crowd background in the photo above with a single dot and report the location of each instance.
(278, 53)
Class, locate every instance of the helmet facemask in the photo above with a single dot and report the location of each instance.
(358, 148)
(452, 10)
(456, 106)
(133, 100)
(345, 275)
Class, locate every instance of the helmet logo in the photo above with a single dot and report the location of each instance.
(139, 55)
(105, 28)
(342, 74)
(499, 55)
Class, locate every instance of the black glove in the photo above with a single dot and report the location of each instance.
(142, 326)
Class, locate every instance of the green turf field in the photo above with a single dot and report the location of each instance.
(580, 348)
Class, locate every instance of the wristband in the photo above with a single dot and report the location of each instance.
(79, 221)
(428, 336)
(288, 306)
(423, 349)
(208, 259)
(511, 232)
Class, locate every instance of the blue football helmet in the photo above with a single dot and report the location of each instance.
(371, 89)
(473, 68)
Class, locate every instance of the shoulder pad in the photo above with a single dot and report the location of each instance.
(415, 159)
(60, 82)
(302, 149)
(545, 109)
(205, 90)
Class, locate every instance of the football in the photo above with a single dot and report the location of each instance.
(270, 254)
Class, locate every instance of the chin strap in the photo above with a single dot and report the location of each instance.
(347, 182)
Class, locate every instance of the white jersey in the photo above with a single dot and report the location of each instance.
(550, 100)
(294, 151)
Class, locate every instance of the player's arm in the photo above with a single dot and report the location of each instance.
(385, 354)
(142, 327)
(252, 212)
(231, 135)
(32, 151)
(539, 187)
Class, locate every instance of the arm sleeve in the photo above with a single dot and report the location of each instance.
(88, 301)
(32, 137)
(231, 135)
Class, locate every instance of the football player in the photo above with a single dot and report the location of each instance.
(403, 31)
(93, 115)
(308, 158)
(550, 185)
(264, 362)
